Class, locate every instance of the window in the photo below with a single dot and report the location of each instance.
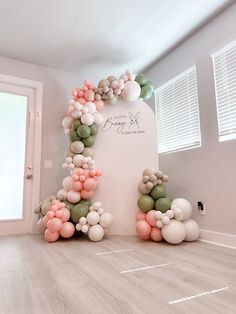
(177, 113)
(224, 64)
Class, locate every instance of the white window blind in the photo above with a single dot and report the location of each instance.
(224, 64)
(177, 113)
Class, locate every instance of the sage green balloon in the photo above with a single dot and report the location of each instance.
(145, 203)
(141, 79)
(76, 124)
(149, 83)
(169, 198)
(78, 211)
(94, 129)
(69, 205)
(84, 131)
(89, 141)
(158, 191)
(146, 92)
(86, 202)
(74, 136)
(162, 204)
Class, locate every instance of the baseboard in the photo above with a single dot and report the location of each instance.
(218, 238)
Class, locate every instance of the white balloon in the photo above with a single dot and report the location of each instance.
(96, 233)
(77, 147)
(131, 91)
(68, 183)
(165, 220)
(106, 220)
(174, 232)
(67, 122)
(91, 107)
(88, 151)
(93, 218)
(159, 224)
(73, 197)
(78, 160)
(87, 119)
(158, 214)
(170, 213)
(192, 230)
(82, 221)
(184, 206)
(85, 228)
(98, 118)
(78, 226)
(97, 205)
(100, 211)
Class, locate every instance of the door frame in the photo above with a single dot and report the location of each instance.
(37, 87)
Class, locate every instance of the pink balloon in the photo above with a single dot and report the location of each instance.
(54, 207)
(99, 104)
(150, 217)
(82, 101)
(51, 236)
(143, 228)
(65, 215)
(50, 214)
(54, 224)
(67, 230)
(86, 194)
(156, 234)
(58, 213)
(140, 216)
(92, 173)
(89, 95)
(145, 237)
(90, 184)
(77, 186)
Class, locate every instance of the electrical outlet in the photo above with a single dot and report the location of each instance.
(201, 208)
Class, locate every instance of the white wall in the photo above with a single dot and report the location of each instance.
(208, 173)
(56, 93)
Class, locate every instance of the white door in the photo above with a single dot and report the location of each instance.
(19, 134)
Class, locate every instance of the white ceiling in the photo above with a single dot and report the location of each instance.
(98, 37)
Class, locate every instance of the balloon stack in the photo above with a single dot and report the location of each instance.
(71, 211)
(159, 216)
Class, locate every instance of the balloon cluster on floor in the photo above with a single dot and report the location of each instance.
(159, 216)
(70, 212)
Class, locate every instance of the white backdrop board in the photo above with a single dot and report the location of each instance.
(125, 145)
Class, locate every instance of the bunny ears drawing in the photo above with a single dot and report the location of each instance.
(134, 119)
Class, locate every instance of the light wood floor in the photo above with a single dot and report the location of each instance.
(73, 277)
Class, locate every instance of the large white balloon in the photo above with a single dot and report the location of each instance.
(96, 233)
(106, 220)
(175, 232)
(192, 230)
(184, 206)
(73, 197)
(93, 218)
(87, 119)
(77, 147)
(67, 184)
(131, 91)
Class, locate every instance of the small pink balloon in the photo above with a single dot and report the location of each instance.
(45, 220)
(82, 178)
(75, 177)
(140, 216)
(67, 230)
(86, 194)
(89, 95)
(98, 173)
(51, 236)
(156, 234)
(99, 105)
(50, 214)
(74, 92)
(150, 217)
(62, 205)
(80, 93)
(58, 213)
(143, 228)
(54, 208)
(92, 173)
(54, 224)
(77, 186)
(90, 184)
(65, 215)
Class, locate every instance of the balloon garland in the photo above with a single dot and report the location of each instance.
(159, 216)
(71, 211)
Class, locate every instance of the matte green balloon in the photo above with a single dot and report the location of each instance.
(145, 203)
(76, 124)
(158, 191)
(141, 79)
(169, 198)
(146, 92)
(74, 136)
(89, 141)
(69, 205)
(94, 129)
(86, 202)
(84, 131)
(149, 83)
(78, 211)
(162, 204)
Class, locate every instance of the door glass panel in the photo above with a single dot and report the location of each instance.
(13, 112)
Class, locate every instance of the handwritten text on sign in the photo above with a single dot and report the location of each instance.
(124, 124)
